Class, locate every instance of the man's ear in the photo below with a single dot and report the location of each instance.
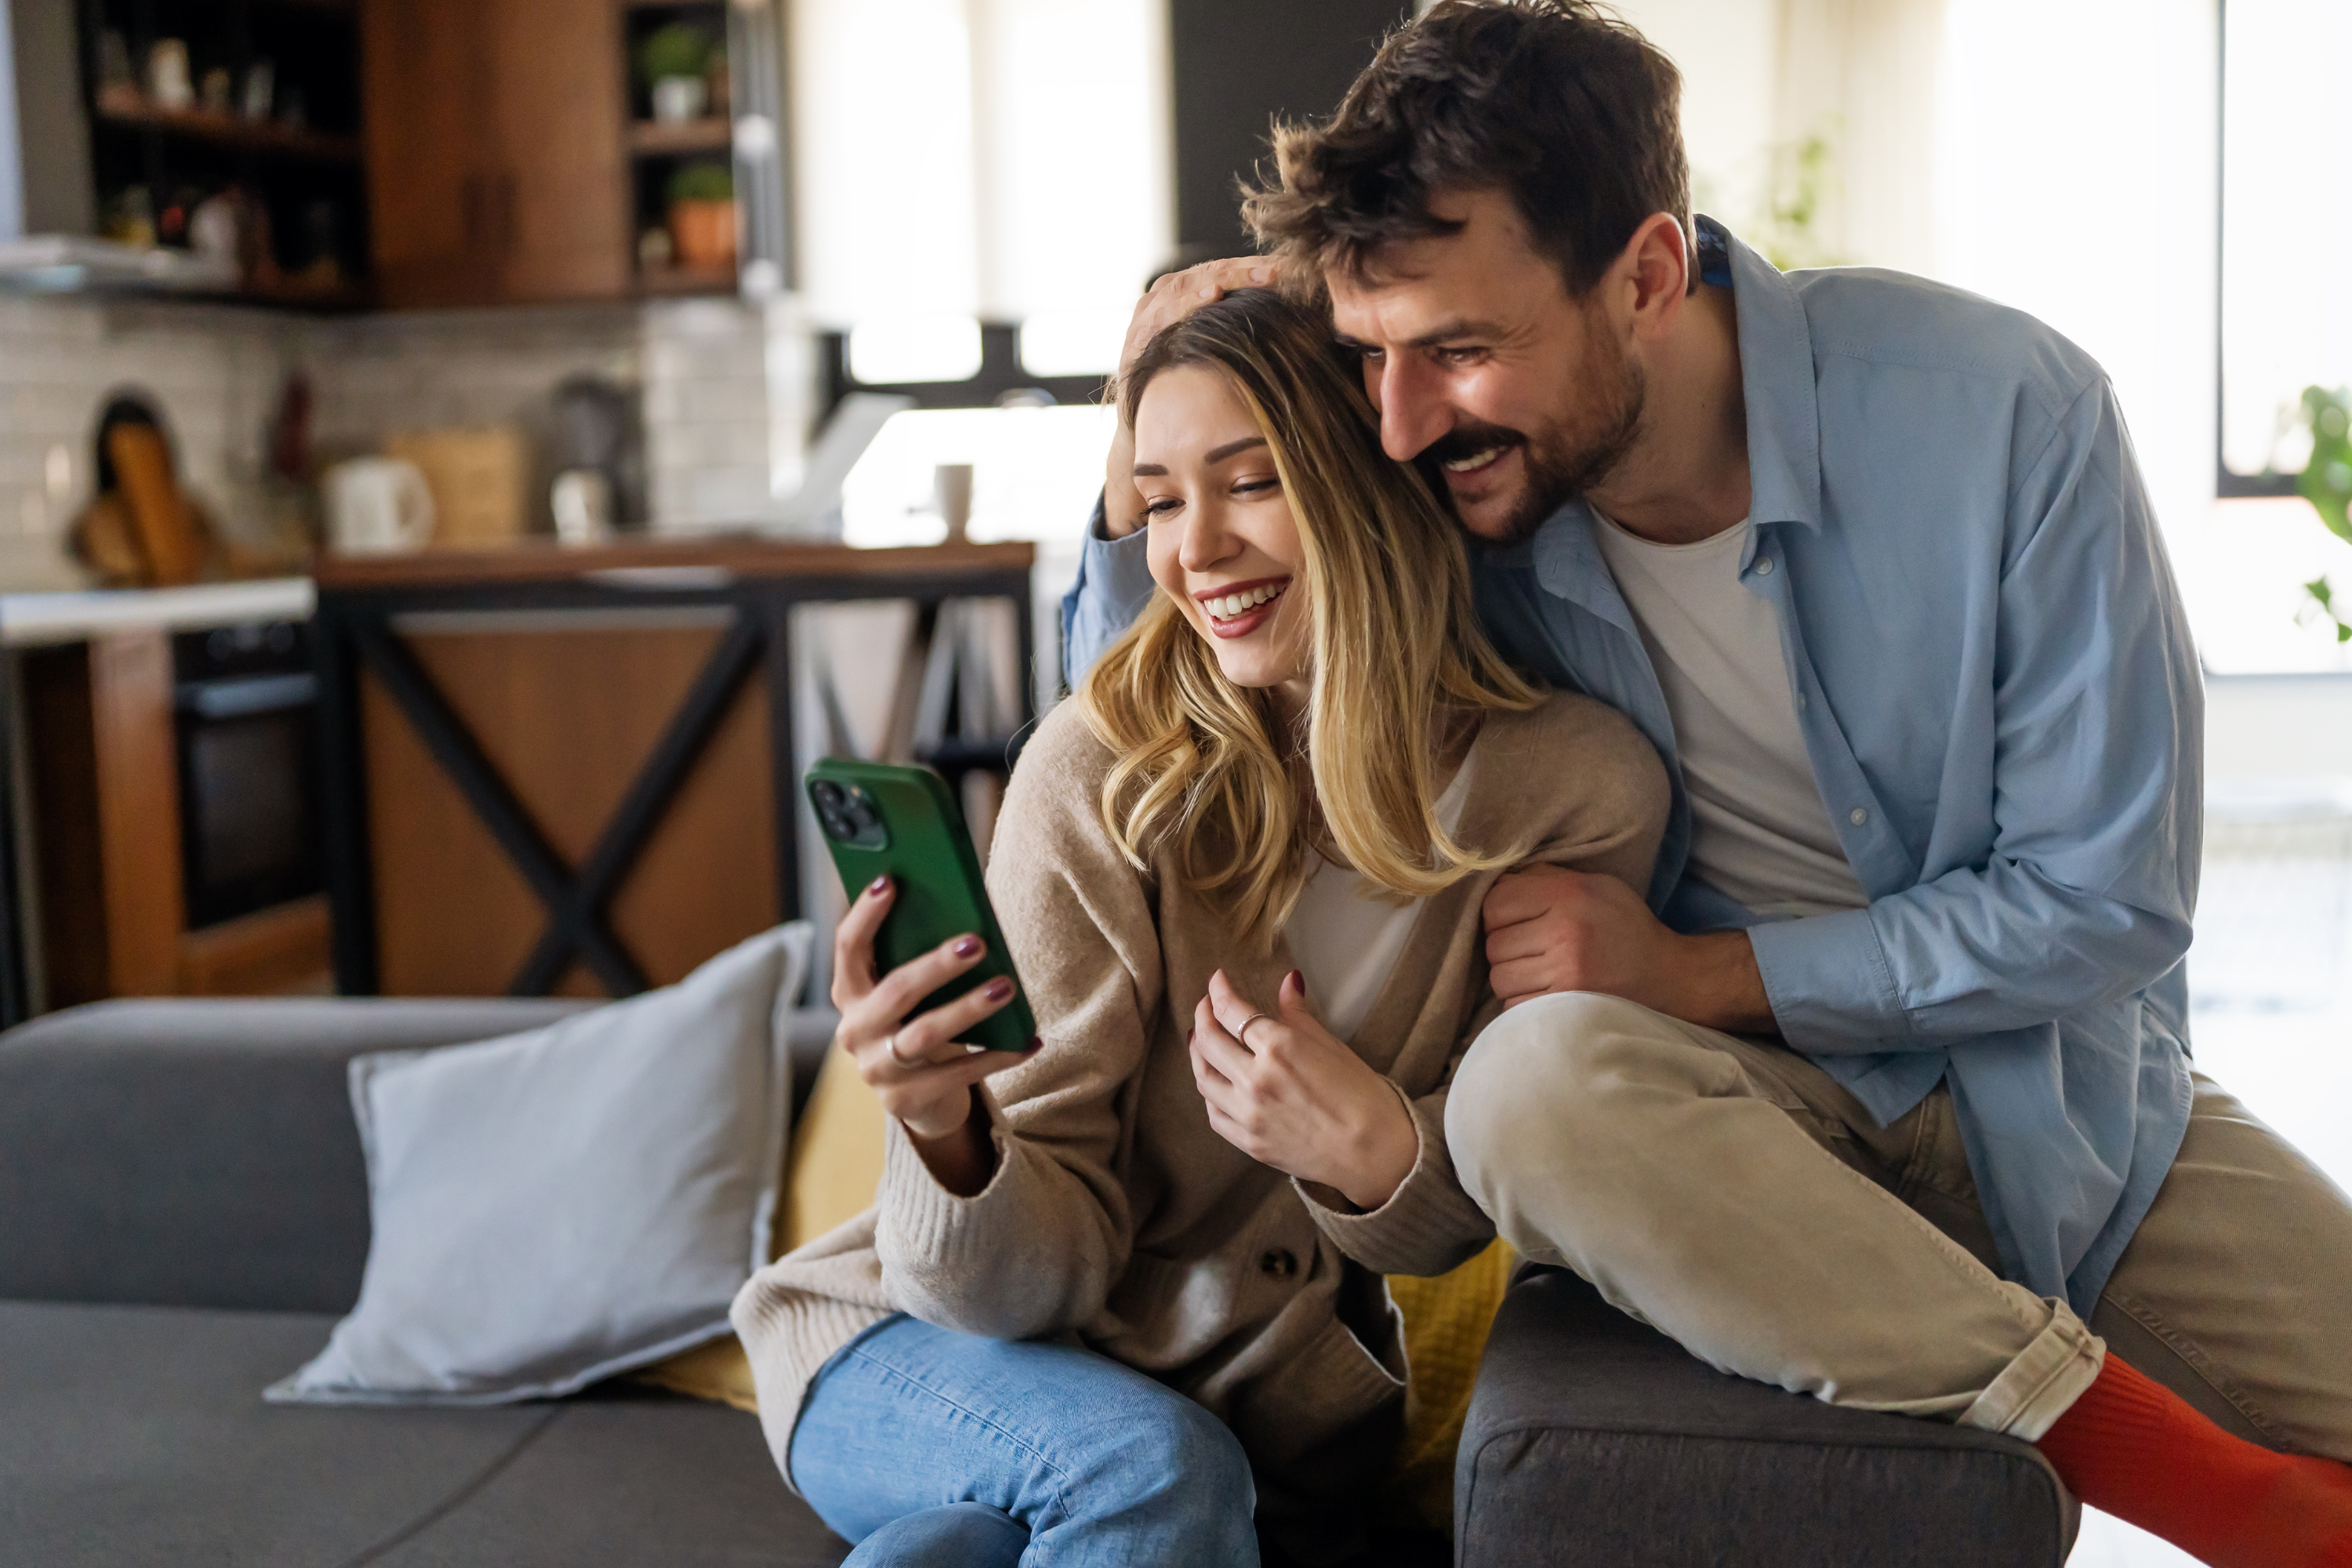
(1657, 262)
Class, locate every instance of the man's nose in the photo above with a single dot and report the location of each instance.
(1412, 413)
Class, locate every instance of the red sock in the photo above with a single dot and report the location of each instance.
(2132, 1447)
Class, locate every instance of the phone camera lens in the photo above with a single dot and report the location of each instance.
(828, 795)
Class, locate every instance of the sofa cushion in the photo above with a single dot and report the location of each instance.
(1594, 1440)
(133, 1436)
(556, 1206)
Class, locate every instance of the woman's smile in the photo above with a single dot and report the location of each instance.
(1237, 609)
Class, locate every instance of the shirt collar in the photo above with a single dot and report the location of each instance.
(1784, 441)
(1775, 375)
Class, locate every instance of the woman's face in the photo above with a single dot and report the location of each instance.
(1221, 538)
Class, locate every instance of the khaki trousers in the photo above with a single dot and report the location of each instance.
(1731, 1194)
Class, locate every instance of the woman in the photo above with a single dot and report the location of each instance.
(1130, 1291)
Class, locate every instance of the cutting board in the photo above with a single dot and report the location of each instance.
(480, 480)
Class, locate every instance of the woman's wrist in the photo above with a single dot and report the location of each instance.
(964, 1159)
(1387, 1150)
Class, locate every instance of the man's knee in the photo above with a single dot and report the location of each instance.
(1547, 1074)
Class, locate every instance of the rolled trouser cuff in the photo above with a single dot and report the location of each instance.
(2026, 1400)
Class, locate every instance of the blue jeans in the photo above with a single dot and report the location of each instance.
(935, 1450)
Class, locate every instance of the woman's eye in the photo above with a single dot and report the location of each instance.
(1254, 486)
(1160, 505)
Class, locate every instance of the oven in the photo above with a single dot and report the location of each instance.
(246, 704)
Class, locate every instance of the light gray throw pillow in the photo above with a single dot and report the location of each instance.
(553, 1207)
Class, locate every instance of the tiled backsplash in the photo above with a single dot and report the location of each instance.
(716, 435)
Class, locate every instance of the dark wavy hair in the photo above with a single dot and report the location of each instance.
(1557, 104)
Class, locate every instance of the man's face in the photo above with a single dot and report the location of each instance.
(1474, 354)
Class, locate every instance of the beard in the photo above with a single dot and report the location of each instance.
(1563, 460)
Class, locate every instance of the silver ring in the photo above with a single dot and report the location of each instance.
(1242, 1034)
(890, 1043)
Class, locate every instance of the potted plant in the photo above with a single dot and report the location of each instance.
(673, 59)
(702, 215)
(2327, 483)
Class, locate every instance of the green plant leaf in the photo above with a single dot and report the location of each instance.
(681, 48)
(704, 182)
(2327, 480)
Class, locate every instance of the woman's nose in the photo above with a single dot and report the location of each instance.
(1206, 540)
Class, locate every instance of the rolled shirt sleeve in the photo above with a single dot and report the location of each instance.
(2087, 894)
(1113, 585)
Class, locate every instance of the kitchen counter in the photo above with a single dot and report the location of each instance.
(29, 620)
(643, 563)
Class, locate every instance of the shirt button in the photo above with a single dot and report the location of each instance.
(1764, 567)
(1857, 816)
(1278, 1263)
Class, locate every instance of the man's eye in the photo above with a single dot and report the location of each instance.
(1460, 356)
(1372, 356)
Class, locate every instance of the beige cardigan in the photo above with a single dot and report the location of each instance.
(1116, 1217)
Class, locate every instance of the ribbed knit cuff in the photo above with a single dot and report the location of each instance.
(923, 1220)
(1428, 1226)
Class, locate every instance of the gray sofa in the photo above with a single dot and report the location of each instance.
(184, 1214)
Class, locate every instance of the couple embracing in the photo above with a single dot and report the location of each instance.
(1581, 736)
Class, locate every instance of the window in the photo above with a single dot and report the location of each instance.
(2286, 232)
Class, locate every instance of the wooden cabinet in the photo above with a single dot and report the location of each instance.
(105, 812)
(494, 143)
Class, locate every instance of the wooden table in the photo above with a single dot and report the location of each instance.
(598, 806)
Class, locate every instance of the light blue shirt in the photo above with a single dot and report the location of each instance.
(1998, 692)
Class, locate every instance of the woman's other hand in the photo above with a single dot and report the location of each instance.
(1295, 1097)
(914, 1065)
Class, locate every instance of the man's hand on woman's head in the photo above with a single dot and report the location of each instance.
(1288, 1093)
(914, 1065)
(1168, 301)
(1552, 929)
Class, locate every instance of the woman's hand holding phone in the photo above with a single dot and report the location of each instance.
(1290, 1094)
(914, 1065)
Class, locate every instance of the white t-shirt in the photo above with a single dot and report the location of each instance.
(1347, 938)
(1759, 829)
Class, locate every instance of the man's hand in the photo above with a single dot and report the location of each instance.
(1171, 300)
(1550, 930)
(1290, 1094)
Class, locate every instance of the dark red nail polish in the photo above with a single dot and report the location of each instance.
(967, 947)
(879, 885)
(1035, 1042)
(1298, 981)
(999, 989)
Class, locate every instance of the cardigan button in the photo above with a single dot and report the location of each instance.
(1279, 1263)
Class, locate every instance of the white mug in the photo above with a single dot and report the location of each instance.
(377, 506)
(582, 502)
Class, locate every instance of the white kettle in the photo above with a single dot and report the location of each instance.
(378, 506)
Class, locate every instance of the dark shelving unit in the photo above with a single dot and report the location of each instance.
(299, 165)
(656, 150)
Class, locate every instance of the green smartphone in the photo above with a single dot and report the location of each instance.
(883, 820)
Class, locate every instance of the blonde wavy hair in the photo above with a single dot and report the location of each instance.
(1208, 772)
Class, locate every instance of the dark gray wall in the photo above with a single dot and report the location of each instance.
(1239, 63)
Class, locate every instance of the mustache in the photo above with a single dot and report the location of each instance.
(1469, 440)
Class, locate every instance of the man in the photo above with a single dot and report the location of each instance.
(1889, 1101)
